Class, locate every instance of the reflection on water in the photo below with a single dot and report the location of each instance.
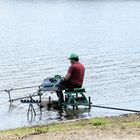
(36, 37)
(77, 113)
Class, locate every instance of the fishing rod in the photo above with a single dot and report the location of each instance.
(114, 108)
(12, 89)
(20, 98)
(23, 88)
(39, 91)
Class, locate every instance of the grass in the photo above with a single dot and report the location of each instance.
(99, 121)
(72, 125)
(56, 127)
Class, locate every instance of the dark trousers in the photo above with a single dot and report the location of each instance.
(65, 85)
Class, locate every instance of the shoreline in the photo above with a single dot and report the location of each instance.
(121, 127)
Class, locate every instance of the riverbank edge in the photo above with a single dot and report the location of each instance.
(122, 121)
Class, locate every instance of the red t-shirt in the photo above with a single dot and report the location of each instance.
(77, 71)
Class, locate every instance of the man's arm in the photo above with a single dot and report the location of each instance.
(69, 73)
(67, 76)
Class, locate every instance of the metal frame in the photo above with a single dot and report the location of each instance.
(76, 98)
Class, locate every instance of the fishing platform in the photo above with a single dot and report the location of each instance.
(72, 98)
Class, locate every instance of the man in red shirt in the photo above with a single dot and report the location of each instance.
(74, 77)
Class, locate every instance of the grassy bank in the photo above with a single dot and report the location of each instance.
(129, 120)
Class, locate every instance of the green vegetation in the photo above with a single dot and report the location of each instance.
(56, 127)
(73, 125)
(99, 121)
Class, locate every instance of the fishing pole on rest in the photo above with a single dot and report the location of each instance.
(97, 106)
(114, 108)
(12, 89)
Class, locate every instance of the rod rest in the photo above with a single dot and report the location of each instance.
(30, 101)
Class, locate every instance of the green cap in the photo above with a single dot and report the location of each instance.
(73, 56)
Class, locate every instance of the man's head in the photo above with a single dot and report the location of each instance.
(73, 58)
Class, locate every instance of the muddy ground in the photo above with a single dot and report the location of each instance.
(125, 127)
